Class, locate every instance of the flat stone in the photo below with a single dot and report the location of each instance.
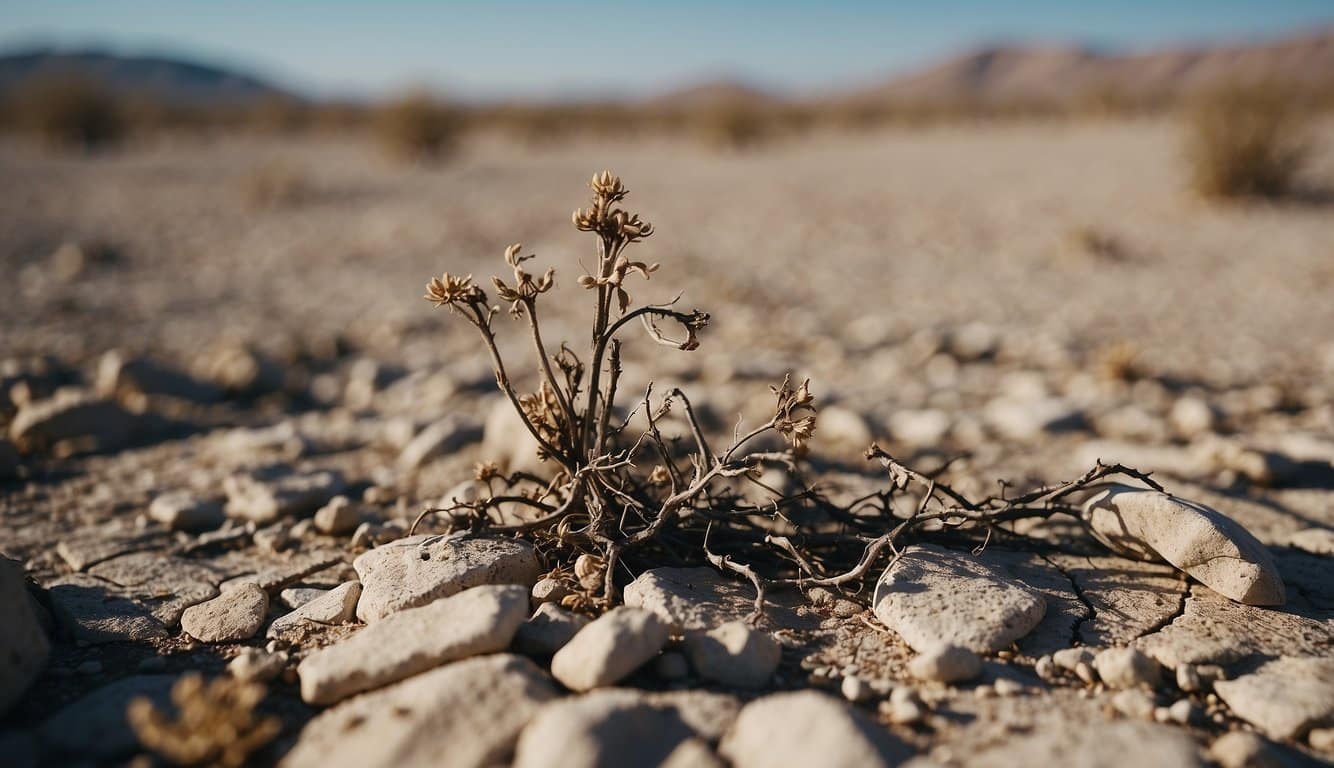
(464, 715)
(946, 664)
(473, 622)
(1095, 745)
(277, 492)
(87, 547)
(257, 665)
(72, 417)
(289, 567)
(1212, 548)
(23, 645)
(417, 570)
(806, 729)
(734, 654)
(1285, 697)
(165, 585)
(187, 511)
(933, 596)
(1127, 668)
(336, 606)
(233, 616)
(339, 516)
(700, 598)
(1215, 630)
(1244, 749)
(602, 728)
(1317, 541)
(608, 649)
(548, 630)
(295, 597)
(95, 725)
(94, 611)
(444, 436)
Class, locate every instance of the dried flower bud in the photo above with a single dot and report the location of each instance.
(794, 412)
(451, 290)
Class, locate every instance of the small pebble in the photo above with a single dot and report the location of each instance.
(1007, 687)
(1184, 712)
(1045, 668)
(1084, 671)
(855, 689)
(902, 712)
(1188, 679)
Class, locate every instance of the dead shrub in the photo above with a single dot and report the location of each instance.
(631, 488)
(1247, 141)
(417, 127)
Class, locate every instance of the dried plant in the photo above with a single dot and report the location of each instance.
(215, 722)
(623, 497)
(1248, 141)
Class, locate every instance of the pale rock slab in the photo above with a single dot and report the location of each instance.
(708, 713)
(268, 495)
(602, 728)
(805, 729)
(94, 611)
(1285, 697)
(1212, 548)
(933, 596)
(734, 654)
(1095, 745)
(463, 715)
(1215, 630)
(257, 665)
(186, 511)
(473, 622)
(608, 649)
(336, 606)
(338, 517)
(233, 616)
(1127, 668)
(23, 645)
(73, 417)
(166, 585)
(419, 569)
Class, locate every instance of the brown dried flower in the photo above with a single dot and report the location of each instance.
(485, 471)
(543, 411)
(450, 290)
(526, 288)
(612, 224)
(794, 413)
(215, 723)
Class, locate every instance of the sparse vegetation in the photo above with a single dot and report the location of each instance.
(417, 127)
(1247, 141)
(215, 723)
(70, 112)
(603, 511)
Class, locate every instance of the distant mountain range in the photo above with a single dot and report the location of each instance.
(174, 80)
(1058, 74)
(1000, 75)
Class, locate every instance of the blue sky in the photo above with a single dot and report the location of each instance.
(528, 48)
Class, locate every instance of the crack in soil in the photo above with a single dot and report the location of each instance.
(1180, 611)
(1091, 612)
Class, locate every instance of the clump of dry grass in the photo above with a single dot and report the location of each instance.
(1247, 141)
(417, 127)
(68, 111)
(621, 496)
(215, 723)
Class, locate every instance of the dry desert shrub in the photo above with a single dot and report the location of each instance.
(416, 128)
(1247, 141)
(68, 111)
(620, 493)
(215, 723)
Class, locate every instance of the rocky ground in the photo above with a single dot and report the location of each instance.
(225, 404)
